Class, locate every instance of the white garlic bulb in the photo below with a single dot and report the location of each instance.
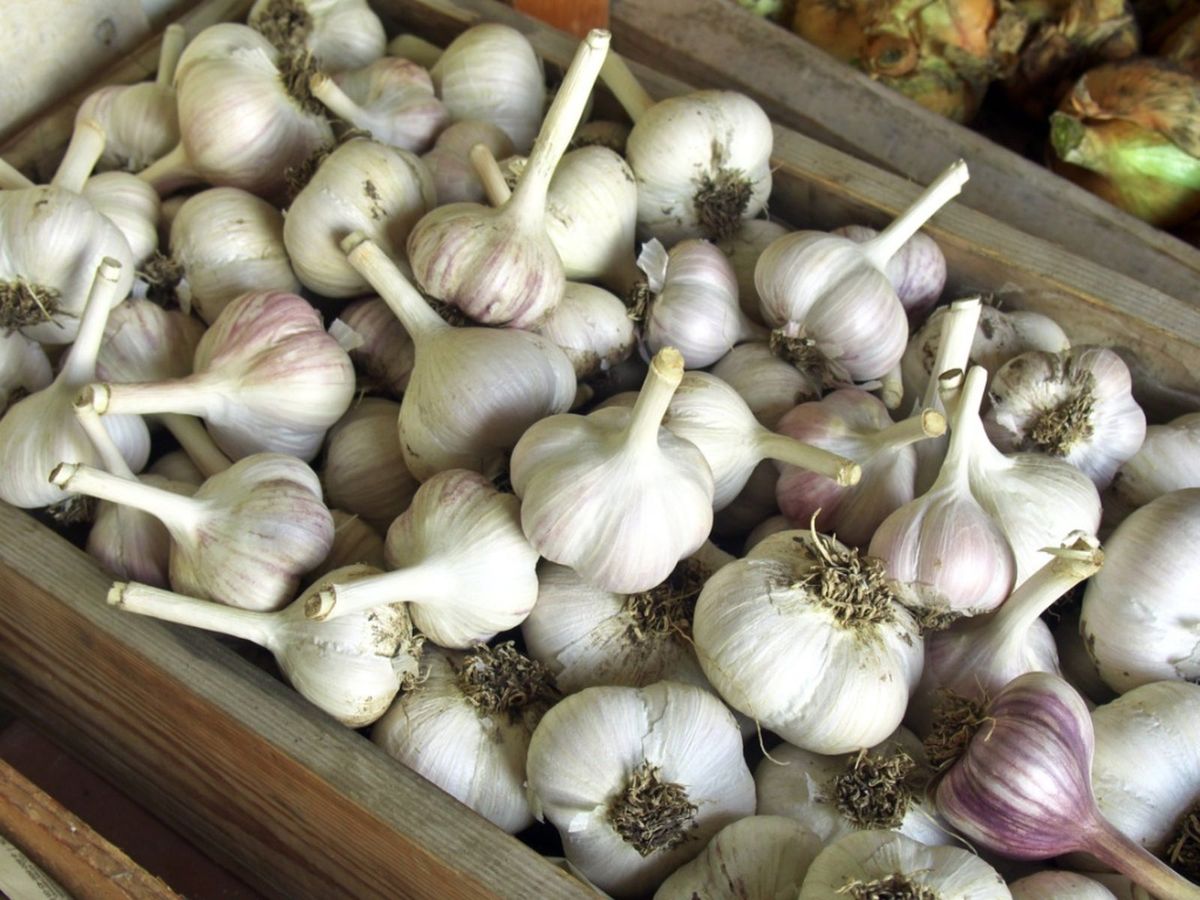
(917, 271)
(1168, 460)
(613, 495)
(454, 176)
(393, 99)
(465, 726)
(1147, 588)
(364, 471)
(1076, 405)
(490, 72)
(758, 856)
(637, 780)
(144, 342)
(341, 34)
(362, 186)
(769, 385)
(592, 327)
(808, 637)
(24, 368)
(1052, 885)
(130, 204)
(743, 248)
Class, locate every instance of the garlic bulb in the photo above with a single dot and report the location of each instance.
(917, 271)
(1075, 405)
(1050, 885)
(1167, 461)
(499, 266)
(354, 541)
(350, 668)
(882, 787)
(758, 856)
(24, 368)
(867, 865)
(693, 302)
(856, 425)
(743, 248)
(239, 125)
(592, 327)
(131, 205)
(809, 639)
(490, 72)
(364, 471)
(755, 503)
(144, 342)
(637, 780)
(588, 636)
(460, 563)
(244, 538)
(341, 34)
(465, 726)
(391, 98)
(769, 385)
(472, 391)
(613, 495)
(40, 431)
(454, 176)
(362, 186)
(140, 120)
(225, 242)
(602, 133)
(53, 240)
(829, 300)
(1146, 588)
(384, 360)
(267, 378)
(176, 466)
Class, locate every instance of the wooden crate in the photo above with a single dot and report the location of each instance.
(301, 807)
(715, 43)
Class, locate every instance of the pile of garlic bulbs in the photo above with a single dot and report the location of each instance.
(603, 500)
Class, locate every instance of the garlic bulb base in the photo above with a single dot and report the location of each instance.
(651, 814)
(721, 201)
(23, 304)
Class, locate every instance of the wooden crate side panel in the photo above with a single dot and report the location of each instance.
(296, 804)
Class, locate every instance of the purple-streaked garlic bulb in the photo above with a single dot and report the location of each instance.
(743, 248)
(341, 34)
(391, 98)
(449, 162)
(364, 471)
(769, 385)
(383, 353)
(917, 271)
(592, 327)
(1076, 405)
(854, 424)
(829, 299)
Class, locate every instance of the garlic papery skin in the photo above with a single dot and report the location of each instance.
(613, 495)
(1168, 460)
(130, 204)
(449, 164)
(239, 126)
(588, 636)
(244, 538)
(1147, 588)
(1050, 885)
(499, 266)
(977, 657)
(465, 725)
(856, 425)
(24, 368)
(225, 242)
(144, 342)
(808, 638)
(693, 303)
(637, 780)
(267, 378)
(829, 300)
(491, 73)
(1076, 405)
(917, 271)
(1023, 786)
(758, 856)
(743, 248)
(473, 391)
(362, 186)
(384, 360)
(40, 431)
(769, 385)
(350, 668)
(140, 121)
(944, 545)
(460, 562)
(874, 864)
(341, 34)
(393, 99)
(592, 327)
(364, 471)
(882, 787)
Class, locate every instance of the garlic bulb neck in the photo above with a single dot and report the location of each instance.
(110, 453)
(87, 143)
(623, 84)
(144, 600)
(418, 318)
(651, 814)
(666, 371)
(940, 191)
(500, 681)
(876, 790)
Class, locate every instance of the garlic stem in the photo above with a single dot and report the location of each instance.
(87, 143)
(189, 396)
(425, 584)
(101, 440)
(173, 39)
(891, 388)
(949, 389)
(528, 201)
(171, 173)
(489, 173)
(618, 78)
(177, 512)
(964, 426)
(80, 366)
(954, 343)
(415, 49)
(884, 246)
(1131, 859)
(928, 423)
(780, 447)
(11, 179)
(666, 371)
(417, 317)
(196, 442)
(336, 100)
(211, 616)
